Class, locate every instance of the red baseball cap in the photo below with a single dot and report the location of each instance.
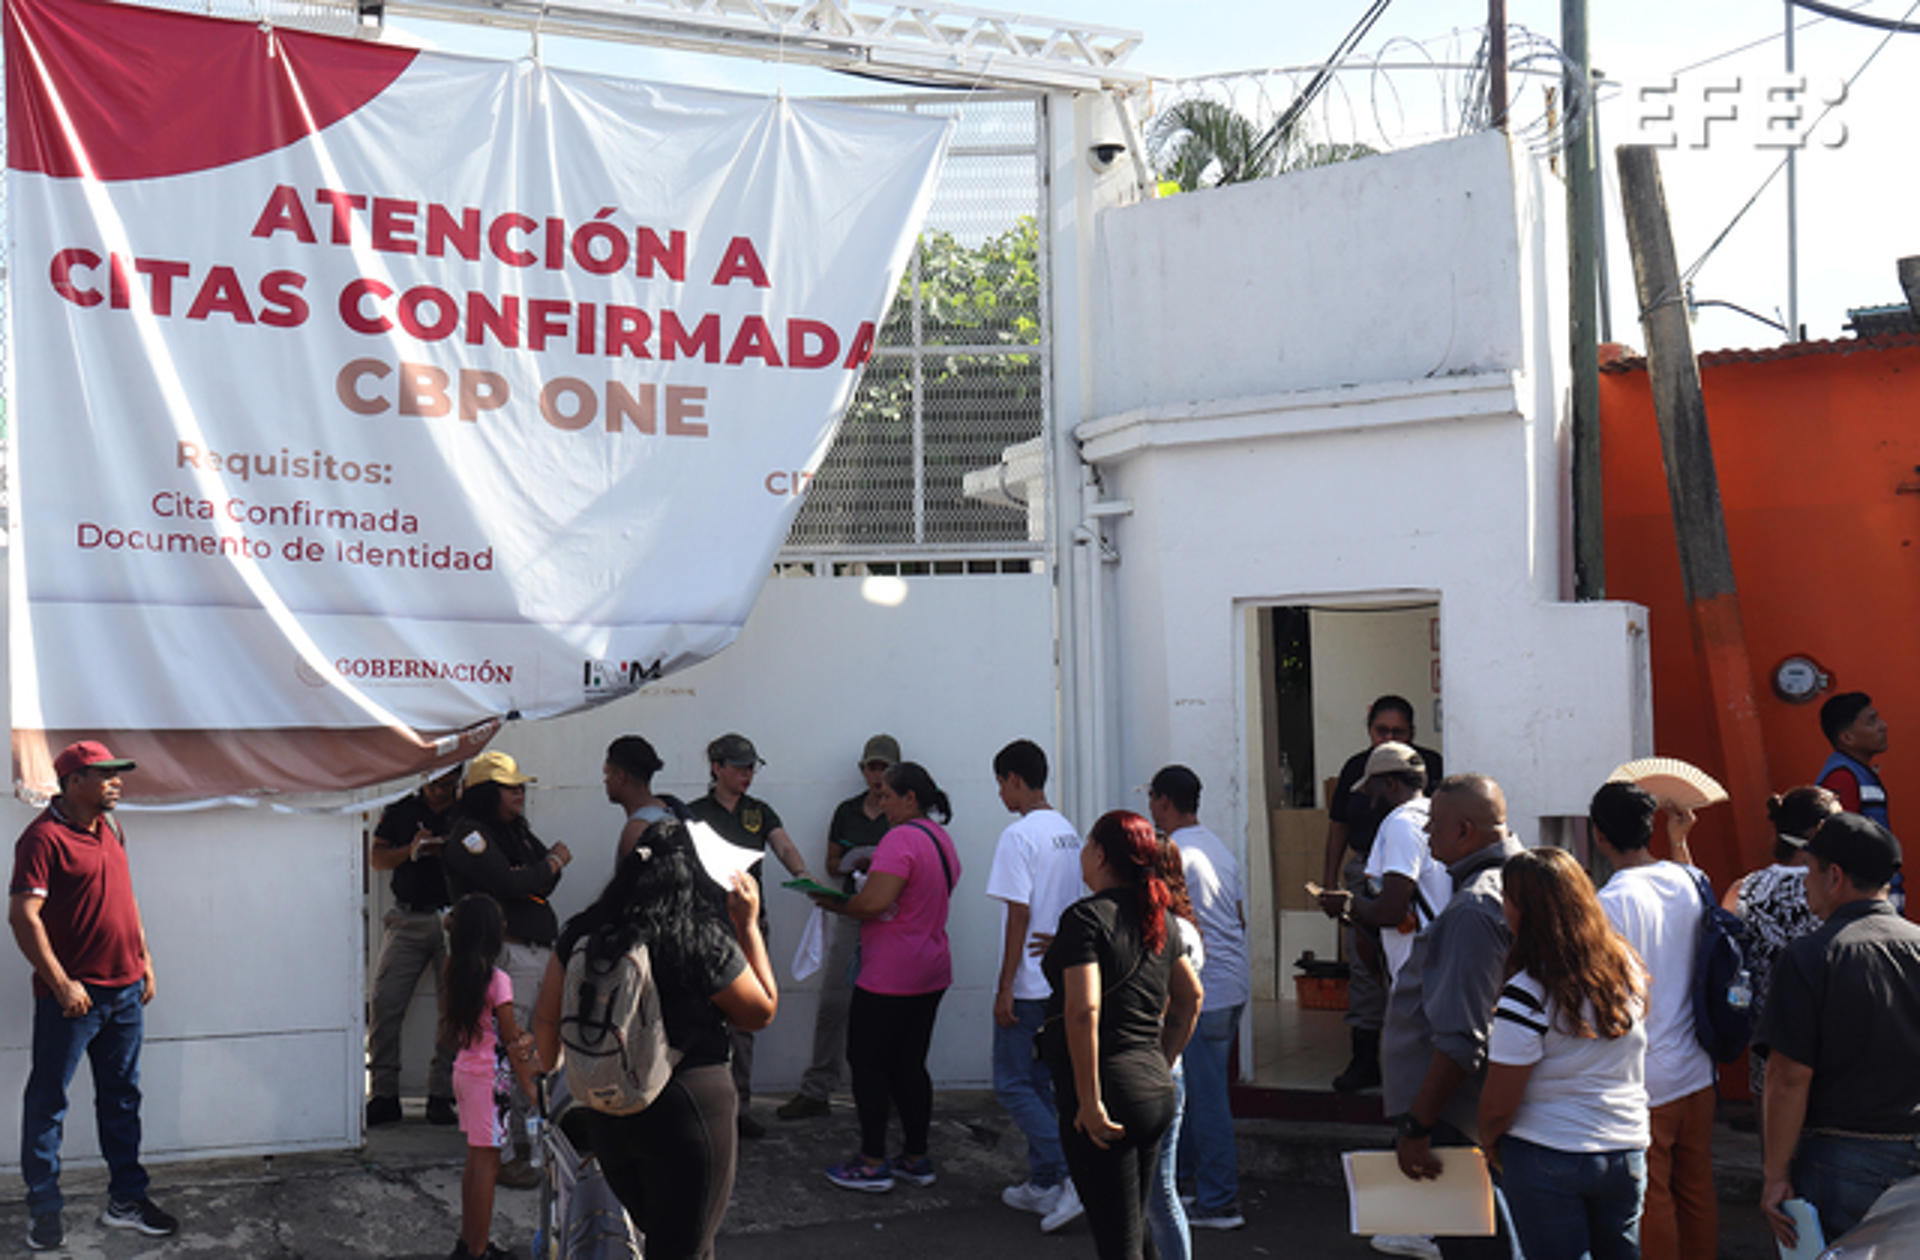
(84, 755)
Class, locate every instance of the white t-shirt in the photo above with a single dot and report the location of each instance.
(1585, 1093)
(1658, 908)
(1213, 882)
(1037, 865)
(1185, 939)
(1400, 848)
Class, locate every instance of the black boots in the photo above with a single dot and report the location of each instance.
(1364, 1071)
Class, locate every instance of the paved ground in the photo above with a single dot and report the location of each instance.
(399, 1197)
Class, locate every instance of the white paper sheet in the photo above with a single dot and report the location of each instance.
(719, 856)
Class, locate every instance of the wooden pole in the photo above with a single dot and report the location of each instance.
(1693, 488)
(1497, 62)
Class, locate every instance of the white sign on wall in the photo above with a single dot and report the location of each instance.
(365, 395)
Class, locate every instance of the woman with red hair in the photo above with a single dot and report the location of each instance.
(1122, 1008)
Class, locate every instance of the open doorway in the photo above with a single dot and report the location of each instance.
(1313, 671)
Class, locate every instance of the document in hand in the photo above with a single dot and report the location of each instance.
(720, 856)
(1383, 1200)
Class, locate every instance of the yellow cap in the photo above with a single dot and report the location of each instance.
(495, 767)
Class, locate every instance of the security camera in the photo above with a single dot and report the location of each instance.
(1102, 156)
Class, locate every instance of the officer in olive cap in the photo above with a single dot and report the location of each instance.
(752, 824)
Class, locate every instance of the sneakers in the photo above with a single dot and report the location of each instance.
(144, 1215)
(751, 1128)
(45, 1232)
(1028, 1197)
(493, 1252)
(858, 1174)
(1222, 1218)
(919, 1171)
(382, 1109)
(803, 1107)
(519, 1173)
(1066, 1209)
(440, 1111)
(1406, 1245)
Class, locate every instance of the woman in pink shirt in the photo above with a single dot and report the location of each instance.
(905, 968)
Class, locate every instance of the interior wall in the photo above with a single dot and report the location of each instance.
(1360, 654)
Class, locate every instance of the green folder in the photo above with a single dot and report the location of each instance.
(813, 886)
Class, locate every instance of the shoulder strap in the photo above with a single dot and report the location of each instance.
(939, 850)
(108, 821)
(1703, 887)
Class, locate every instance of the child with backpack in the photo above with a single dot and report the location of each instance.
(476, 1017)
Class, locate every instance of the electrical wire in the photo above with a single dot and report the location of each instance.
(1282, 125)
(1838, 14)
(1774, 174)
(1750, 45)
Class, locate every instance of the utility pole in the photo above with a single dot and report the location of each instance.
(1793, 209)
(1693, 489)
(1583, 252)
(1497, 62)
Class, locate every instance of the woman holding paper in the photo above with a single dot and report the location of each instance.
(1123, 1005)
(905, 968)
(1565, 1104)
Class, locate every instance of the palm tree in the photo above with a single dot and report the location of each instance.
(1202, 143)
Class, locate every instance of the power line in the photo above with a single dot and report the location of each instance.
(1277, 133)
(1892, 27)
(1775, 172)
(1750, 45)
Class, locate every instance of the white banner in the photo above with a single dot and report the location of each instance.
(361, 396)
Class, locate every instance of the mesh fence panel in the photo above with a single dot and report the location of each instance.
(958, 375)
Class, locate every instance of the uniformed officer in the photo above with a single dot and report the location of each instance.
(752, 824)
(407, 842)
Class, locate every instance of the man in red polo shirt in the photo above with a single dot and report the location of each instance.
(73, 914)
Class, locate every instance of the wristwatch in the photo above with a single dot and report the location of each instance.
(1411, 1128)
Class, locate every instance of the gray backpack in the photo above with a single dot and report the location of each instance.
(617, 1055)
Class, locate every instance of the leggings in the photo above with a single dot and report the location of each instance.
(1114, 1184)
(887, 1040)
(671, 1166)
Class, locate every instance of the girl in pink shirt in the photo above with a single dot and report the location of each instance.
(905, 968)
(477, 1017)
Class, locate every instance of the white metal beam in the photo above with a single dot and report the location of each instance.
(922, 43)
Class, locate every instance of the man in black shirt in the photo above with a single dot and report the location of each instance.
(1843, 1023)
(856, 828)
(750, 823)
(1352, 818)
(407, 841)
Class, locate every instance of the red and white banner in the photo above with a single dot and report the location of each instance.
(363, 396)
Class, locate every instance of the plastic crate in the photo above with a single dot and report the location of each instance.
(1321, 993)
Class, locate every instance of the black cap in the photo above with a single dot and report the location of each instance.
(1861, 847)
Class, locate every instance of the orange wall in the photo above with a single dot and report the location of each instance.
(1818, 458)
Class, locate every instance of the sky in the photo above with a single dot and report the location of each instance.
(1858, 190)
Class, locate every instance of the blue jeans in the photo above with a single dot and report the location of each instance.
(1206, 1133)
(1165, 1217)
(1842, 1176)
(109, 1035)
(1574, 1205)
(1024, 1087)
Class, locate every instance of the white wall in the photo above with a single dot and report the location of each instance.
(1370, 417)
(254, 1039)
(957, 670)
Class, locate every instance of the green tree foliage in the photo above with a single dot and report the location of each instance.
(973, 405)
(1203, 143)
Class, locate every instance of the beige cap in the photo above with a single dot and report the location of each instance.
(1394, 757)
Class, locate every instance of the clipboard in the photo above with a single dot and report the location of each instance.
(813, 888)
(1383, 1200)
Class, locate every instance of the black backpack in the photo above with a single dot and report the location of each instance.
(1722, 989)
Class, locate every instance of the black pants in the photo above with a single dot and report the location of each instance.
(887, 1040)
(671, 1166)
(1114, 1183)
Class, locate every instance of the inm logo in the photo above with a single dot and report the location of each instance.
(605, 677)
(1759, 111)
